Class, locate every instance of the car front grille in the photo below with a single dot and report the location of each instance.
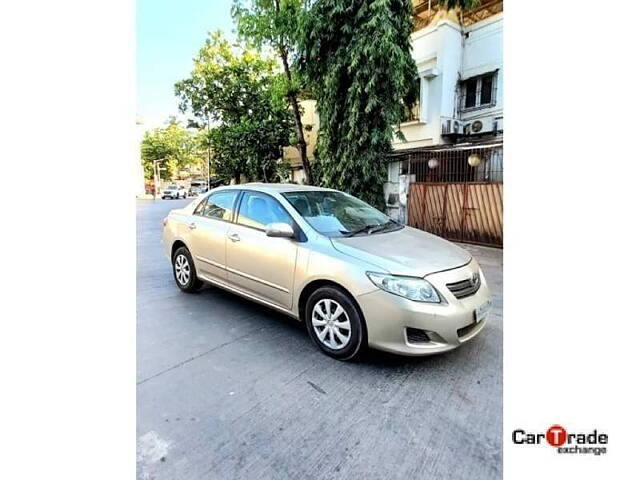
(465, 288)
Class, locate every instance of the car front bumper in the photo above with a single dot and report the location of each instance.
(447, 325)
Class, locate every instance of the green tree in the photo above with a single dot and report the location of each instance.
(231, 94)
(174, 145)
(275, 23)
(356, 56)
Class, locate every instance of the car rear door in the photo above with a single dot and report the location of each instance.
(208, 227)
(259, 265)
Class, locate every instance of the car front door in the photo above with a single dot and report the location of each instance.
(208, 227)
(259, 265)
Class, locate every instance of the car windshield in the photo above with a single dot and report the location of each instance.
(337, 214)
(172, 187)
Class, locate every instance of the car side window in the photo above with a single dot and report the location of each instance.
(258, 210)
(218, 205)
(200, 208)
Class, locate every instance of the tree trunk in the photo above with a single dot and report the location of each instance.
(302, 143)
(293, 100)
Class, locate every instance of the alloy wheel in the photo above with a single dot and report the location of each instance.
(331, 324)
(183, 270)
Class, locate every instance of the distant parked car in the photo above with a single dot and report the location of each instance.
(174, 191)
(195, 190)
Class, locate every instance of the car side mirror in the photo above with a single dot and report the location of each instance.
(283, 230)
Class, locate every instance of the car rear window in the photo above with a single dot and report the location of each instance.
(218, 205)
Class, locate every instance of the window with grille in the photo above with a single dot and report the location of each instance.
(479, 91)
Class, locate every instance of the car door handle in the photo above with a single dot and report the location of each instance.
(192, 225)
(234, 237)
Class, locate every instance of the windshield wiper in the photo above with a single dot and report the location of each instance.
(379, 228)
(366, 228)
(371, 228)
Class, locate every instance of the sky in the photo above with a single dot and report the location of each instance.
(169, 35)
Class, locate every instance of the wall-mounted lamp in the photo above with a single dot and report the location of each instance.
(474, 160)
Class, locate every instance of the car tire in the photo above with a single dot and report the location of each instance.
(184, 271)
(329, 331)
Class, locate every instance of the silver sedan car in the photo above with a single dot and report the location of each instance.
(356, 277)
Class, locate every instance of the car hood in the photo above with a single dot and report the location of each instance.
(404, 252)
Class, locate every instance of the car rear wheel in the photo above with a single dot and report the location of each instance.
(335, 324)
(184, 271)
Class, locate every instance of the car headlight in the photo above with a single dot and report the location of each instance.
(417, 289)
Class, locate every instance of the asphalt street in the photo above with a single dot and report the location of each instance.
(228, 389)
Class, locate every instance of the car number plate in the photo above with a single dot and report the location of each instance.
(482, 311)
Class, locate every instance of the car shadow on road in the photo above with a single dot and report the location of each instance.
(298, 330)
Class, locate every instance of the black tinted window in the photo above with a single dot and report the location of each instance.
(487, 89)
(258, 210)
(219, 205)
(470, 98)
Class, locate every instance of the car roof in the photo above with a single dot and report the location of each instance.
(275, 187)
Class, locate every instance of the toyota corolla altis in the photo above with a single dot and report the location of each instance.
(356, 277)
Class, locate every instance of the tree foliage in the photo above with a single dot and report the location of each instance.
(231, 93)
(356, 57)
(268, 22)
(174, 145)
(275, 24)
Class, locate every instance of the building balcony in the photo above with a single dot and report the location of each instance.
(427, 12)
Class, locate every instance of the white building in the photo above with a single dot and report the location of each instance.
(459, 60)
(311, 123)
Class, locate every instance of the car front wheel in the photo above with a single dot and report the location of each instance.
(335, 324)
(184, 271)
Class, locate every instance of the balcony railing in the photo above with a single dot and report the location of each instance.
(486, 9)
(424, 12)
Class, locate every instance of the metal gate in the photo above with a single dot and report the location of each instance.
(456, 193)
(464, 212)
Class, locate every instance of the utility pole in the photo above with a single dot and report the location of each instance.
(156, 176)
(208, 154)
(155, 180)
(208, 169)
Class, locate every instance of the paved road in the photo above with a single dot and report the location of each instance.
(231, 390)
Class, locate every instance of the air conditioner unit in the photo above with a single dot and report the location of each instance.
(482, 126)
(499, 124)
(451, 126)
